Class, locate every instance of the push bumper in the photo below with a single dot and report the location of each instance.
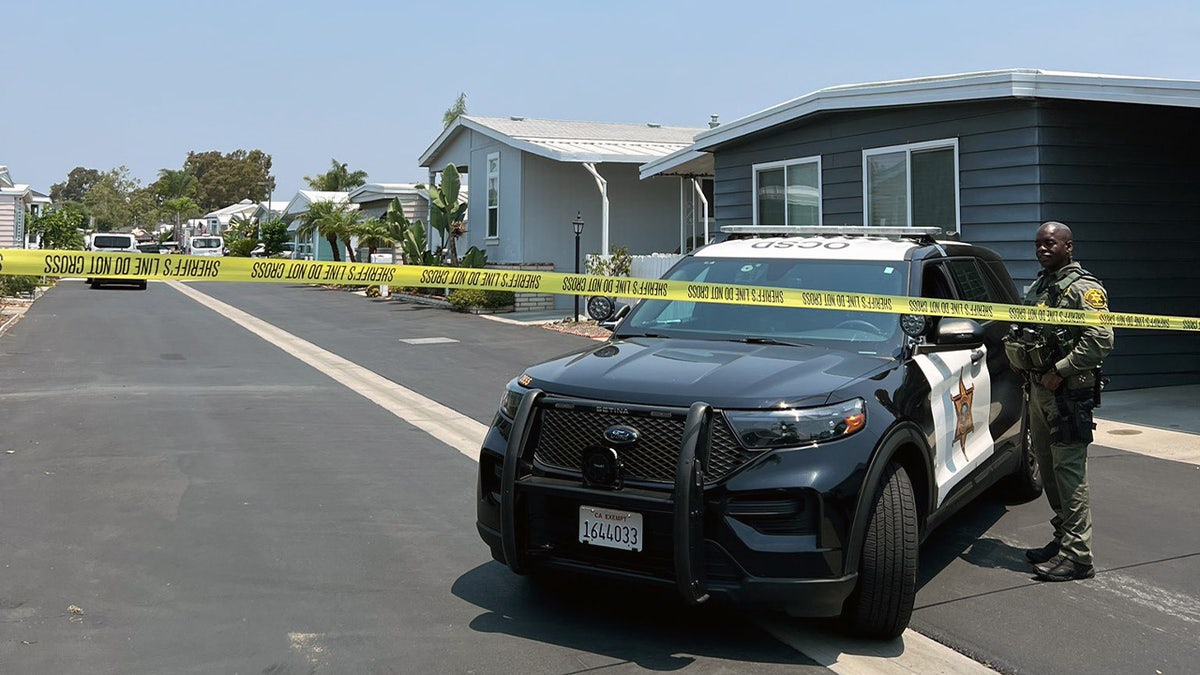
(530, 523)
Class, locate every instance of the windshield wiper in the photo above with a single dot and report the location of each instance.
(760, 340)
(631, 335)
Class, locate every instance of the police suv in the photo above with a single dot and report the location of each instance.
(773, 457)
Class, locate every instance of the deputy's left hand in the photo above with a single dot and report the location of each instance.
(1052, 380)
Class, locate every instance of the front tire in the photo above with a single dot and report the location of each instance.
(882, 604)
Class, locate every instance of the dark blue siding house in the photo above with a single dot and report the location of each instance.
(990, 156)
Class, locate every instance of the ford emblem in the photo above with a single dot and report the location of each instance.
(621, 435)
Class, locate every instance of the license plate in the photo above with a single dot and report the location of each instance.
(610, 528)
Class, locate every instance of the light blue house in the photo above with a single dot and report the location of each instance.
(530, 178)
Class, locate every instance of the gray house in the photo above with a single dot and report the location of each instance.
(991, 155)
(530, 178)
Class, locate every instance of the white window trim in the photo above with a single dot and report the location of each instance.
(488, 236)
(907, 149)
(766, 166)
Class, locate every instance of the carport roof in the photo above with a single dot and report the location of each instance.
(1013, 83)
(568, 141)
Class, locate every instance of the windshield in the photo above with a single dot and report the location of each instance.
(111, 241)
(206, 242)
(863, 332)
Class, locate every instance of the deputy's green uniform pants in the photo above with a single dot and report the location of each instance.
(1064, 475)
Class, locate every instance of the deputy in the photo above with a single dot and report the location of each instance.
(1064, 386)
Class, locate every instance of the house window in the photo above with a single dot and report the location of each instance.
(788, 192)
(493, 195)
(912, 185)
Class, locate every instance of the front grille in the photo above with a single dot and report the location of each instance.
(566, 432)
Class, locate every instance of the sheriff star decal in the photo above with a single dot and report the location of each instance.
(965, 423)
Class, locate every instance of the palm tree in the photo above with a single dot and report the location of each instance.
(339, 178)
(374, 234)
(180, 206)
(331, 221)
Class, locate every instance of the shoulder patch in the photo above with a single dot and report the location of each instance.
(1095, 298)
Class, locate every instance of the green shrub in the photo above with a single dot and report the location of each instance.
(615, 265)
(373, 292)
(13, 286)
(241, 247)
(463, 299)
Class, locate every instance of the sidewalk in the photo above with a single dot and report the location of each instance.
(1161, 422)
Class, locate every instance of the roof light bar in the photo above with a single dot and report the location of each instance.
(867, 230)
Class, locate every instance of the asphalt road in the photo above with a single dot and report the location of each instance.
(211, 504)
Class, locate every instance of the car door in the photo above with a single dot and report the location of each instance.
(960, 394)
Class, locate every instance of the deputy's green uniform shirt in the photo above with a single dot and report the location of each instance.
(1064, 464)
(1076, 289)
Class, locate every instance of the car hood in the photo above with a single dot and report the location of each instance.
(655, 371)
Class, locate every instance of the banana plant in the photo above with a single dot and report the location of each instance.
(474, 258)
(446, 214)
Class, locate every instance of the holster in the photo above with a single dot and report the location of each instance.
(1075, 422)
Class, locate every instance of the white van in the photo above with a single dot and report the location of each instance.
(113, 242)
(205, 244)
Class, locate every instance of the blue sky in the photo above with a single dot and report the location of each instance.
(139, 84)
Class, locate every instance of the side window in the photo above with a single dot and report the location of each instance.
(1005, 289)
(935, 283)
(493, 195)
(969, 280)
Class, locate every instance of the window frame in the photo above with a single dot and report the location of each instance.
(756, 169)
(488, 207)
(908, 149)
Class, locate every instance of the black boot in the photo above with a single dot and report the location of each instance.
(1062, 568)
(1041, 555)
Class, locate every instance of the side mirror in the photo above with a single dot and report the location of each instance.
(953, 332)
(611, 322)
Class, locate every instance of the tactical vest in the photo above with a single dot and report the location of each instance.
(1039, 348)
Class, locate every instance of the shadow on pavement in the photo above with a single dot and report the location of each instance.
(649, 627)
(963, 537)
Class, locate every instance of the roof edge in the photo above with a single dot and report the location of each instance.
(1016, 82)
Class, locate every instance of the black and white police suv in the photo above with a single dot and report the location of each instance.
(774, 457)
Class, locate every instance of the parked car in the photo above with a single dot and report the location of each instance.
(773, 457)
(113, 242)
(205, 245)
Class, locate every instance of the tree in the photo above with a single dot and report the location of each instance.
(374, 234)
(331, 221)
(454, 111)
(78, 182)
(273, 233)
(180, 207)
(109, 200)
(58, 229)
(446, 212)
(339, 178)
(173, 184)
(227, 179)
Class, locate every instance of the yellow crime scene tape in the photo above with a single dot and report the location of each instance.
(195, 268)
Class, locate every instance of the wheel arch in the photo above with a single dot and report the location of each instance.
(905, 445)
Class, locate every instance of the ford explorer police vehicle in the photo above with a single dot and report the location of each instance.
(773, 457)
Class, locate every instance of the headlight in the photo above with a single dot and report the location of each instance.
(509, 402)
(801, 426)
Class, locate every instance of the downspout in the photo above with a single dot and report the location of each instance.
(704, 203)
(429, 213)
(603, 185)
(683, 224)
